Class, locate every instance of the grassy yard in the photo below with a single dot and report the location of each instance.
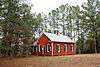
(83, 60)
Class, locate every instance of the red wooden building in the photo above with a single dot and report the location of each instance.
(53, 44)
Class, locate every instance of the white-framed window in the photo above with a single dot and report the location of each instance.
(58, 47)
(48, 48)
(65, 47)
(72, 47)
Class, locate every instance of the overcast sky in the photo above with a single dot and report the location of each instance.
(46, 6)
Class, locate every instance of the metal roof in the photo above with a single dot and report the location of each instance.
(58, 38)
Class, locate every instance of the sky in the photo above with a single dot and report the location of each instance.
(46, 6)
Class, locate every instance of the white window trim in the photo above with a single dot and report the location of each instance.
(66, 48)
(59, 47)
(48, 47)
(72, 47)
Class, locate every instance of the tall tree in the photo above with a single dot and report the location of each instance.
(16, 20)
(90, 19)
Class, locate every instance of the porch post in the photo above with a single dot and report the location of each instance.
(52, 48)
(39, 48)
(43, 49)
(36, 49)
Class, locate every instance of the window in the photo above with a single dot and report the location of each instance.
(48, 48)
(72, 47)
(65, 47)
(58, 47)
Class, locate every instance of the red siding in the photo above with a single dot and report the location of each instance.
(43, 40)
(62, 52)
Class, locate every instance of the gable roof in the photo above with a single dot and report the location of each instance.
(58, 38)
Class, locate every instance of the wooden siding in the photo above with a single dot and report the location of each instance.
(62, 46)
(43, 40)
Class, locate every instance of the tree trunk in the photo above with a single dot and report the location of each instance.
(95, 45)
(95, 42)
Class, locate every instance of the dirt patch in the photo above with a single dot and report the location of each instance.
(83, 60)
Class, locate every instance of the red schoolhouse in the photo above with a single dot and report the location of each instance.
(52, 45)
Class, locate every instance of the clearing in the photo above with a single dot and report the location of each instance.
(82, 60)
